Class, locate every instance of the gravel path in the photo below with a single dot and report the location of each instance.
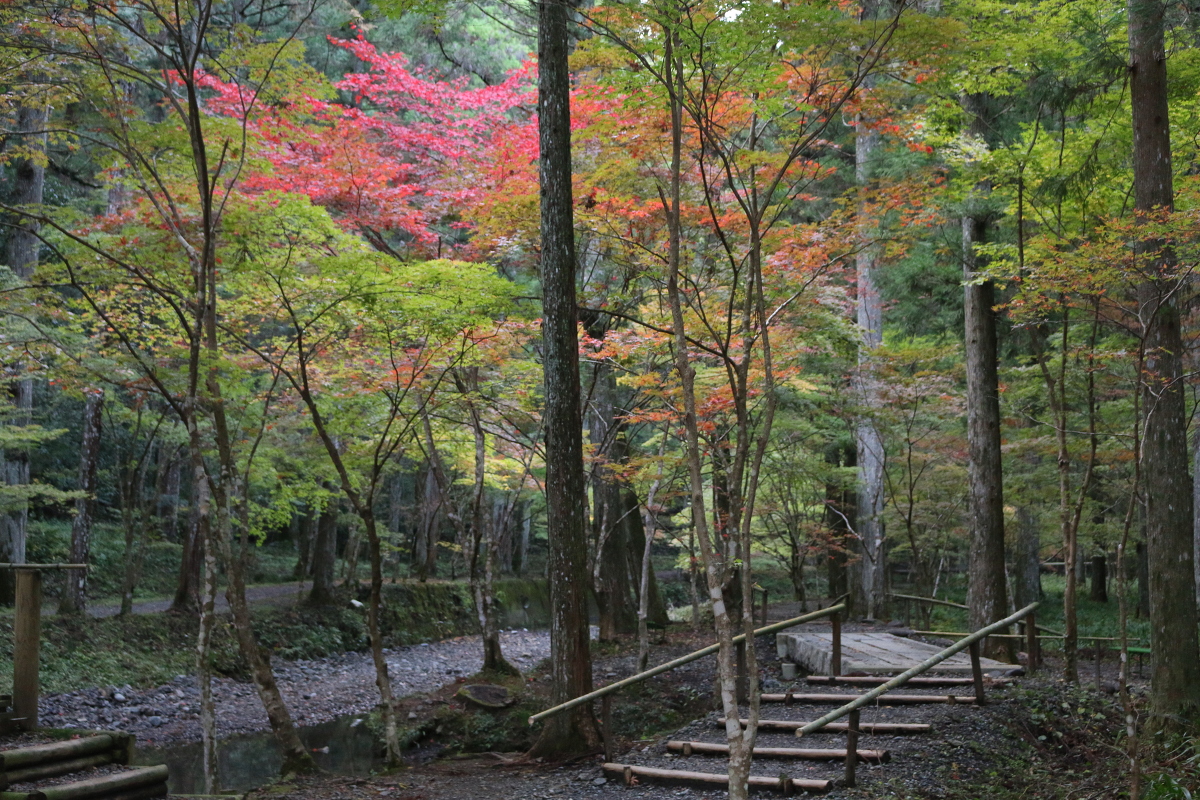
(315, 691)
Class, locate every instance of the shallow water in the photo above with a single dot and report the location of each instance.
(344, 746)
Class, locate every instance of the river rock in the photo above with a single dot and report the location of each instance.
(486, 695)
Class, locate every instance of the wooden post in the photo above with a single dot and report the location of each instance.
(1097, 644)
(1032, 645)
(835, 663)
(743, 676)
(852, 747)
(606, 725)
(766, 605)
(27, 636)
(977, 673)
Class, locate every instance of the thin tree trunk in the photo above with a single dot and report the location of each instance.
(1027, 586)
(74, 597)
(571, 664)
(167, 482)
(649, 526)
(202, 533)
(1174, 646)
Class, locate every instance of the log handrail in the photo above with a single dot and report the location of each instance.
(912, 672)
(934, 601)
(679, 662)
(8, 565)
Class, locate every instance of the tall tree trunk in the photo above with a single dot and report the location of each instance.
(1174, 647)
(21, 256)
(324, 556)
(521, 556)
(987, 595)
(306, 537)
(841, 511)
(869, 443)
(1099, 587)
(430, 531)
(74, 597)
(635, 535)
(571, 663)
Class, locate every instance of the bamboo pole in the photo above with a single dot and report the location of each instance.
(107, 784)
(678, 662)
(873, 728)
(948, 604)
(711, 748)
(51, 769)
(56, 565)
(785, 784)
(924, 666)
(891, 699)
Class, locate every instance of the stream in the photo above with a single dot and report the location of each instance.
(344, 746)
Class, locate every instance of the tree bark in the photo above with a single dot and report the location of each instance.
(987, 595)
(868, 441)
(74, 597)
(571, 664)
(167, 481)
(187, 590)
(324, 555)
(1174, 647)
(21, 256)
(1099, 587)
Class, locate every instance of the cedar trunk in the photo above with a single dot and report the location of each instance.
(987, 595)
(324, 555)
(1175, 652)
(74, 598)
(571, 664)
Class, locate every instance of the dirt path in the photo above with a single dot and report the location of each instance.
(276, 594)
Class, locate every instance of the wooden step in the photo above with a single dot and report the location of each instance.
(869, 728)
(883, 700)
(70, 749)
(131, 784)
(52, 769)
(632, 774)
(879, 680)
(711, 748)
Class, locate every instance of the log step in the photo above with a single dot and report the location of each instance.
(879, 680)
(631, 774)
(52, 769)
(132, 784)
(715, 749)
(70, 749)
(884, 700)
(869, 728)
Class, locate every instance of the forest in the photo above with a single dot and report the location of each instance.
(670, 304)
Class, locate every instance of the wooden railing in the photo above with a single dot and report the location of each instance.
(971, 642)
(605, 693)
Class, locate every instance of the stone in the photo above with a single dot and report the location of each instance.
(156, 721)
(602, 781)
(486, 695)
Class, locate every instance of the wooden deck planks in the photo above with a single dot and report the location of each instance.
(873, 653)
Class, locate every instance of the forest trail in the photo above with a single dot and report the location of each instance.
(274, 594)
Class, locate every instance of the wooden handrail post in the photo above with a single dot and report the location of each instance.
(766, 606)
(1097, 644)
(743, 675)
(27, 635)
(606, 725)
(835, 662)
(1032, 645)
(852, 748)
(977, 673)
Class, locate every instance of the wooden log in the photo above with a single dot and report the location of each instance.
(887, 699)
(894, 728)
(804, 754)
(23, 757)
(835, 661)
(977, 673)
(51, 769)
(27, 636)
(104, 785)
(682, 777)
(36, 567)
(876, 680)
(852, 731)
